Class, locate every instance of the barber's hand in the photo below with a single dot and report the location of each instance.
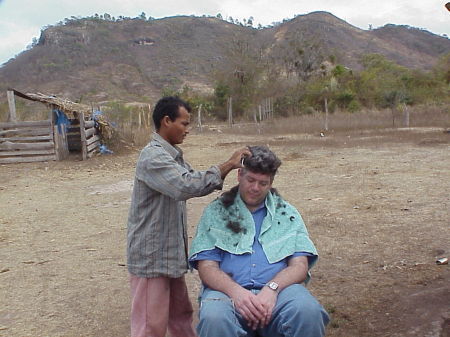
(236, 158)
(234, 162)
(249, 306)
(268, 298)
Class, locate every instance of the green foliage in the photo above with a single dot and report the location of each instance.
(354, 106)
(345, 98)
(168, 91)
(194, 99)
(287, 105)
(381, 84)
(339, 70)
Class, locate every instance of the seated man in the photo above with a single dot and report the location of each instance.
(252, 252)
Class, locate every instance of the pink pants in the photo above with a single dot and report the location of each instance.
(160, 303)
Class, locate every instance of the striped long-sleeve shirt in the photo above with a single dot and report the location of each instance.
(157, 235)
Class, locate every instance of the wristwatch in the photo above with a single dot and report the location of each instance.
(272, 285)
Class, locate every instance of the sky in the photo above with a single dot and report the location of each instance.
(22, 20)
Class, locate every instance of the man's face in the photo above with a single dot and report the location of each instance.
(178, 129)
(253, 187)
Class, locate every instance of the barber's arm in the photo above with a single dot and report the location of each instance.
(295, 272)
(244, 300)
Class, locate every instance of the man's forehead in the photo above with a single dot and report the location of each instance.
(183, 113)
(257, 176)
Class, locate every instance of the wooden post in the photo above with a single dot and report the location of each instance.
(405, 115)
(199, 122)
(230, 111)
(393, 117)
(326, 114)
(12, 106)
(60, 140)
(149, 116)
(271, 107)
(139, 117)
(82, 136)
(260, 112)
(131, 126)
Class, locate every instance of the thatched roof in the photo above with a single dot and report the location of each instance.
(71, 109)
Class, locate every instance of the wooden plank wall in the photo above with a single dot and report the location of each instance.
(83, 137)
(22, 142)
(60, 138)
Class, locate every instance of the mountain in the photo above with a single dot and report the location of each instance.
(96, 60)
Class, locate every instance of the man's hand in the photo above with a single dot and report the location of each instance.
(268, 298)
(234, 162)
(236, 158)
(249, 306)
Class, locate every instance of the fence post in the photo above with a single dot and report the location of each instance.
(405, 115)
(83, 136)
(230, 111)
(199, 122)
(12, 106)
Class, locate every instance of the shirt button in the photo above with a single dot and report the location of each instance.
(253, 265)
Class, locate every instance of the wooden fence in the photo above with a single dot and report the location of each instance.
(82, 136)
(31, 141)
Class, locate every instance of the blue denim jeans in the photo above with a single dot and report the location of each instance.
(296, 314)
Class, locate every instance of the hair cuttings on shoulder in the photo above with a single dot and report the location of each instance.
(227, 198)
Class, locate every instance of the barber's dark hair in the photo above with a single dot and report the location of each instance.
(168, 106)
(262, 161)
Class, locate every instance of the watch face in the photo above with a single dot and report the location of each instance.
(273, 285)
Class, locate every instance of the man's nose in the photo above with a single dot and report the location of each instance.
(255, 186)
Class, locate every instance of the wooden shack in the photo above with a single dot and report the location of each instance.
(70, 127)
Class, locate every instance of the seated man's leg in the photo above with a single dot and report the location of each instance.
(297, 314)
(218, 316)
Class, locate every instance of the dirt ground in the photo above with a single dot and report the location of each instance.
(376, 204)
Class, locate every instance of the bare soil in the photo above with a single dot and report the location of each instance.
(376, 204)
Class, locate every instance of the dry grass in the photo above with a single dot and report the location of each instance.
(423, 116)
(341, 122)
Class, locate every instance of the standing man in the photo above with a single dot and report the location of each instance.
(253, 253)
(157, 235)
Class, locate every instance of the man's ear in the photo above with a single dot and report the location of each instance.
(166, 121)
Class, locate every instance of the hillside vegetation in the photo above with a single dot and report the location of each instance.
(299, 63)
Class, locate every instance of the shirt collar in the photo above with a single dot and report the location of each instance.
(174, 151)
(261, 206)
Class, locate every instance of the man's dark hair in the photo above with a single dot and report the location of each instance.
(168, 106)
(262, 161)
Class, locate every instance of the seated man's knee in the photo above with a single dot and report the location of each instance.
(216, 310)
(306, 307)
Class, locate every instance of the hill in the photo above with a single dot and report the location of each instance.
(96, 60)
